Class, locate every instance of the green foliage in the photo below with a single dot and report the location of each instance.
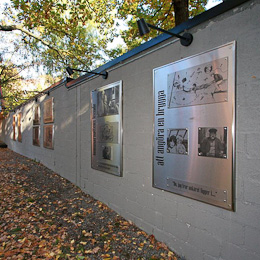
(158, 13)
(12, 84)
(65, 32)
(60, 33)
(76, 33)
(9, 76)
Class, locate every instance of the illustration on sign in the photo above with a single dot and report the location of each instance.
(201, 84)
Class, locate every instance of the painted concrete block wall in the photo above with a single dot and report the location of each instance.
(61, 159)
(65, 135)
(193, 229)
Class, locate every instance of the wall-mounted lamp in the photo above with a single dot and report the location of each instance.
(35, 91)
(186, 38)
(104, 74)
(68, 79)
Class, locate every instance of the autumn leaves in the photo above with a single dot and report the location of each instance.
(43, 216)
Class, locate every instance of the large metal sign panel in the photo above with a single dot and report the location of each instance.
(106, 123)
(194, 117)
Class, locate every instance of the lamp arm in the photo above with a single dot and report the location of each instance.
(104, 75)
(164, 31)
(96, 73)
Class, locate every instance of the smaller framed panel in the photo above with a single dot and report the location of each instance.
(36, 135)
(14, 124)
(48, 111)
(48, 133)
(36, 118)
(212, 142)
(106, 132)
(177, 141)
(108, 102)
(107, 152)
(19, 127)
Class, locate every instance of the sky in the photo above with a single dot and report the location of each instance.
(212, 3)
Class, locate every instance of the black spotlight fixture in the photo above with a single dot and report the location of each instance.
(68, 79)
(143, 26)
(35, 91)
(70, 72)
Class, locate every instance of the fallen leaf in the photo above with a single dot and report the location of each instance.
(96, 249)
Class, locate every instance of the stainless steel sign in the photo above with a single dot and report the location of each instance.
(194, 117)
(106, 122)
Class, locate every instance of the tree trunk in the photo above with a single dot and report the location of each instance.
(181, 10)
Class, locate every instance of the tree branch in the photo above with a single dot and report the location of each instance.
(9, 28)
(21, 28)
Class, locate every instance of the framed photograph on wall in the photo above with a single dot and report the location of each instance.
(48, 111)
(106, 129)
(194, 101)
(14, 125)
(37, 113)
(177, 141)
(19, 124)
(36, 135)
(48, 133)
(212, 142)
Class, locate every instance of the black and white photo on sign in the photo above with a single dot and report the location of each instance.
(212, 142)
(177, 141)
(108, 101)
(107, 152)
(202, 84)
(108, 132)
(106, 138)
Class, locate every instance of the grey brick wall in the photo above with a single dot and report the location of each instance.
(193, 229)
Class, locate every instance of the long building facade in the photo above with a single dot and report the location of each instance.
(170, 140)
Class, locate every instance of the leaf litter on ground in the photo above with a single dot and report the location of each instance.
(44, 216)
